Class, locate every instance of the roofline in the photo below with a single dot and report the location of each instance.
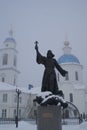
(10, 68)
(8, 49)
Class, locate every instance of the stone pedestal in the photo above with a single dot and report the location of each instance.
(49, 118)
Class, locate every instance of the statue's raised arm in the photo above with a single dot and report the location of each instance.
(36, 45)
(39, 58)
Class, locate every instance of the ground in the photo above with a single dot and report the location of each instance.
(32, 126)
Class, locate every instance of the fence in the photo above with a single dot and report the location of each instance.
(71, 121)
(7, 121)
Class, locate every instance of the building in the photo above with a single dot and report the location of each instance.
(72, 85)
(8, 61)
(9, 82)
(8, 102)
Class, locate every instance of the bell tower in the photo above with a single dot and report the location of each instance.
(8, 61)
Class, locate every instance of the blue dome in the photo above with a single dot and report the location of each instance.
(68, 58)
(10, 39)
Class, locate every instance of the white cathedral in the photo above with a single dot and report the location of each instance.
(72, 85)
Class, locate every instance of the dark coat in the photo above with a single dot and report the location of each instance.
(49, 81)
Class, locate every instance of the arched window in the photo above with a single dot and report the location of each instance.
(5, 59)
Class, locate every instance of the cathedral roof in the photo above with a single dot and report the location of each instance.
(8, 87)
(67, 57)
(10, 38)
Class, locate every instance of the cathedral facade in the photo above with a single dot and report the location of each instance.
(72, 85)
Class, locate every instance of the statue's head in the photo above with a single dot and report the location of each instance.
(50, 54)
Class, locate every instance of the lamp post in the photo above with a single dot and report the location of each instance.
(18, 93)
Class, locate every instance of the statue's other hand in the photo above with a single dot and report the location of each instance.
(66, 73)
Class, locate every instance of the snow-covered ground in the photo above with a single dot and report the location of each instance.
(32, 126)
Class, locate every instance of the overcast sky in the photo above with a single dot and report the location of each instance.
(49, 22)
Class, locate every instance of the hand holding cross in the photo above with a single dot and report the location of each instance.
(36, 45)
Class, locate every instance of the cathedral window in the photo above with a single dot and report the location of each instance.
(71, 97)
(19, 113)
(15, 99)
(67, 76)
(14, 81)
(5, 59)
(75, 113)
(5, 95)
(76, 75)
(15, 60)
(3, 76)
(4, 113)
(3, 79)
(14, 113)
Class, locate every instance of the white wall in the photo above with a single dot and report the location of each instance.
(10, 105)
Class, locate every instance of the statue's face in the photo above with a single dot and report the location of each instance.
(50, 54)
